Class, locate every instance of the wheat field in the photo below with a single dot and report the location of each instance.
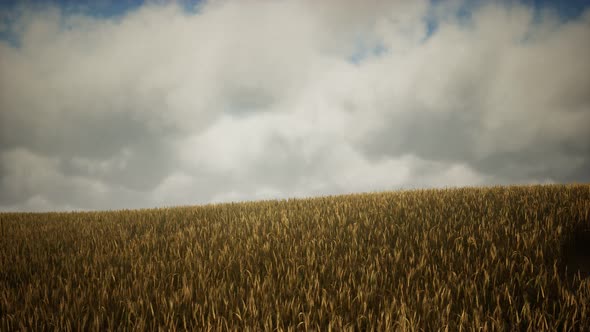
(483, 259)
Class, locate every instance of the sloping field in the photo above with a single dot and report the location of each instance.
(501, 258)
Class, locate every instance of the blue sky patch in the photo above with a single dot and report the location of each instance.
(94, 8)
(107, 9)
(566, 9)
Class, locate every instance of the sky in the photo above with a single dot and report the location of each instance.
(131, 104)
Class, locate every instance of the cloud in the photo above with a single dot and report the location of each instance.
(243, 100)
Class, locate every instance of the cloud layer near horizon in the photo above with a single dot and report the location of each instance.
(271, 99)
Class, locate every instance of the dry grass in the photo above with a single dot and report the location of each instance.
(458, 259)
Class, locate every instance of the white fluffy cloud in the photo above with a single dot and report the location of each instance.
(260, 99)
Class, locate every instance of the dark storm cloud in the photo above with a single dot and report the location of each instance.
(440, 136)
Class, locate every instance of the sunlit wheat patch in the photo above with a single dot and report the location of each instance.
(486, 259)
